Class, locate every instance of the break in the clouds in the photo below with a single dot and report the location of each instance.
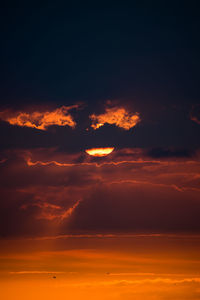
(40, 119)
(99, 151)
(118, 116)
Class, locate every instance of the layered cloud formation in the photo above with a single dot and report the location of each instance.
(47, 192)
(67, 181)
(89, 210)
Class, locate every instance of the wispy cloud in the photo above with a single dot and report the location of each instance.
(34, 272)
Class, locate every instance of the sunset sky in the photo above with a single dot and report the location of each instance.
(100, 151)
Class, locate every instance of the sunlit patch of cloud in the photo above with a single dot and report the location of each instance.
(118, 116)
(40, 119)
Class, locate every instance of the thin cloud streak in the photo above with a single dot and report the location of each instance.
(115, 236)
(137, 281)
(34, 272)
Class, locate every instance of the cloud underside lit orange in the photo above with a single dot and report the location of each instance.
(99, 151)
(117, 116)
(40, 120)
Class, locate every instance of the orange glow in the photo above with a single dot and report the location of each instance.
(101, 268)
(75, 205)
(40, 120)
(115, 116)
(99, 151)
(195, 119)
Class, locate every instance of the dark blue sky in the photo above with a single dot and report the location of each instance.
(141, 53)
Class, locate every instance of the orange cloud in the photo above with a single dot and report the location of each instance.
(40, 120)
(52, 212)
(100, 151)
(118, 116)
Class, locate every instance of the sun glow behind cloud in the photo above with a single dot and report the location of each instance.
(99, 151)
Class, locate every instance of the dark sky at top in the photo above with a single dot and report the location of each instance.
(142, 53)
(143, 57)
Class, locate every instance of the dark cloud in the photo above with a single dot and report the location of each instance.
(164, 153)
(138, 208)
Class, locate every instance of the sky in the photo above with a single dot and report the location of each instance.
(100, 150)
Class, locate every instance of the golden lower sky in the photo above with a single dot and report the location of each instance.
(101, 267)
(76, 225)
